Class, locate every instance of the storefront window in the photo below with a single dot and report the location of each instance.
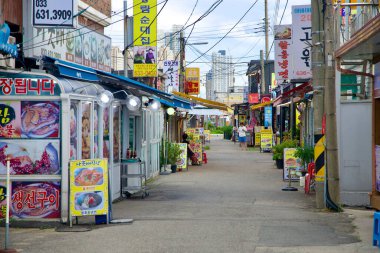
(106, 131)
(132, 128)
(116, 134)
(86, 130)
(73, 131)
(96, 134)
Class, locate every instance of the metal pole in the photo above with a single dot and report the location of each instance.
(125, 39)
(8, 206)
(318, 64)
(332, 163)
(266, 31)
(263, 86)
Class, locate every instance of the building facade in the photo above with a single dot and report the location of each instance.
(222, 74)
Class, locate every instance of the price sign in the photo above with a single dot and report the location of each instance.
(53, 12)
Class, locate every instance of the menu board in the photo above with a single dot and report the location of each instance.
(291, 163)
(207, 134)
(29, 119)
(266, 141)
(182, 163)
(196, 146)
(88, 187)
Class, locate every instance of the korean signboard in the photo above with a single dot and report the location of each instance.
(253, 98)
(182, 162)
(88, 187)
(53, 12)
(145, 38)
(192, 83)
(196, 146)
(172, 81)
(291, 163)
(282, 44)
(301, 41)
(82, 46)
(266, 141)
(3, 199)
(31, 86)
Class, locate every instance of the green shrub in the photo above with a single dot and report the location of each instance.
(174, 152)
(306, 154)
(278, 150)
(207, 147)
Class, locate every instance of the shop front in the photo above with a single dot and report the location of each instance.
(48, 120)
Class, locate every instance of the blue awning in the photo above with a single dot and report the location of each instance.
(72, 70)
(168, 99)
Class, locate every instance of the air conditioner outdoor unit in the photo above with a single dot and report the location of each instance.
(6, 60)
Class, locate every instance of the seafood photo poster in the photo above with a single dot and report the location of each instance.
(40, 119)
(291, 162)
(36, 199)
(88, 187)
(30, 157)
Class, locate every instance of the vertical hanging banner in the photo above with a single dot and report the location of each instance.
(268, 116)
(282, 43)
(171, 70)
(182, 162)
(145, 38)
(192, 81)
(301, 42)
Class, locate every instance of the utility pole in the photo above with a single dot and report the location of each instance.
(181, 62)
(262, 86)
(318, 73)
(332, 163)
(266, 31)
(125, 39)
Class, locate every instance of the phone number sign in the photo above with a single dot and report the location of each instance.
(53, 12)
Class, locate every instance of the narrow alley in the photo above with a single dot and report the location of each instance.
(232, 204)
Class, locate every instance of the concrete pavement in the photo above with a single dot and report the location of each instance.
(232, 204)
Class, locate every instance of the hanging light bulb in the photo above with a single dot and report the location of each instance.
(170, 111)
(105, 98)
(154, 105)
(133, 103)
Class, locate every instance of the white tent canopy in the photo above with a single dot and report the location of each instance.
(206, 112)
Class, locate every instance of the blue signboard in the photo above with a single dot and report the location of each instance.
(268, 116)
(5, 47)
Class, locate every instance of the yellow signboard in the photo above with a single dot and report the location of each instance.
(266, 141)
(145, 38)
(192, 83)
(182, 162)
(88, 187)
(257, 139)
(291, 163)
(207, 135)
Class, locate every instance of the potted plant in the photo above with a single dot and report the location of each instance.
(278, 151)
(174, 152)
(306, 154)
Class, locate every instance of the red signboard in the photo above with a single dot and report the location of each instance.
(253, 98)
(265, 99)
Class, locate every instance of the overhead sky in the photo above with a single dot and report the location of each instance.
(243, 43)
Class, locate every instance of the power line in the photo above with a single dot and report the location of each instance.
(229, 30)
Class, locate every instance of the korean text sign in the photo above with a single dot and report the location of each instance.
(291, 163)
(88, 187)
(266, 141)
(282, 44)
(192, 86)
(182, 162)
(53, 12)
(301, 41)
(268, 116)
(145, 38)
(171, 70)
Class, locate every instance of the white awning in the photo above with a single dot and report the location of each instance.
(206, 112)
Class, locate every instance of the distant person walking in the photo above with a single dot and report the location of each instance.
(242, 136)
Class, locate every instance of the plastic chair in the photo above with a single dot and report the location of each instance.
(376, 232)
(204, 156)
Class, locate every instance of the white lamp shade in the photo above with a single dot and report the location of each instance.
(170, 111)
(105, 98)
(154, 105)
(133, 103)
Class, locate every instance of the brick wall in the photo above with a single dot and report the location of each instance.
(104, 6)
(90, 24)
